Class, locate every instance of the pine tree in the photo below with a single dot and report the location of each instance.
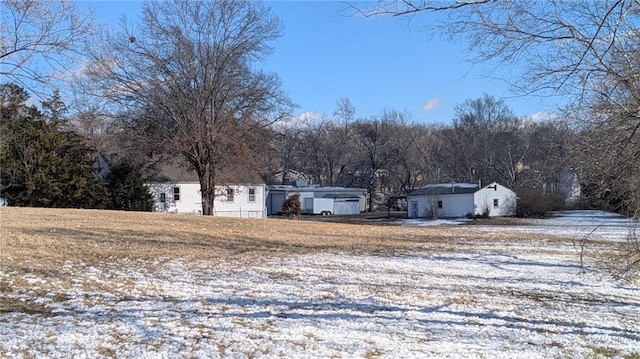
(42, 164)
(127, 189)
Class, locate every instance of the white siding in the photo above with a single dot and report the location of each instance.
(241, 206)
(453, 205)
(346, 206)
(311, 199)
(499, 200)
(190, 200)
(418, 206)
(456, 205)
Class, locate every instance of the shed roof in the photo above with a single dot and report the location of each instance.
(340, 195)
(446, 188)
(317, 189)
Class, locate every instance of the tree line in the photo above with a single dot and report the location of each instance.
(391, 155)
(49, 159)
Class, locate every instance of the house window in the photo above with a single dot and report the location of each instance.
(176, 193)
(163, 197)
(440, 204)
(252, 194)
(230, 194)
(495, 203)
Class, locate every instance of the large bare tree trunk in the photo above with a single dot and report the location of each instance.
(207, 190)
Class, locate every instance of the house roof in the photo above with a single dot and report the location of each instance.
(453, 188)
(177, 170)
(446, 188)
(288, 188)
(340, 196)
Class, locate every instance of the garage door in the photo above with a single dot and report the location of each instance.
(346, 206)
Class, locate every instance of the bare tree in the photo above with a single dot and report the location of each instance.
(345, 111)
(376, 146)
(561, 44)
(415, 164)
(483, 143)
(409, 7)
(40, 41)
(187, 74)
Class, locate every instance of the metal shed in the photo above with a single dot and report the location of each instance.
(318, 200)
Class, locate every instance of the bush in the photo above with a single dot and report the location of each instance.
(43, 163)
(291, 206)
(533, 203)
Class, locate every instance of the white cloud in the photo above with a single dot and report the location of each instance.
(431, 104)
(299, 121)
(543, 116)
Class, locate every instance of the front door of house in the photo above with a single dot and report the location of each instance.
(414, 209)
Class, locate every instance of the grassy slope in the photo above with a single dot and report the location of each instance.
(47, 237)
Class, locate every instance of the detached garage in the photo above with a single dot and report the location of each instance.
(456, 200)
(344, 203)
(318, 200)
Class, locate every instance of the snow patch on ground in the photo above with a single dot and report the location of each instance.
(570, 224)
(483, 299)
(578, 224)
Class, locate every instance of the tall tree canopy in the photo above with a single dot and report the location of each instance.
(187, 73)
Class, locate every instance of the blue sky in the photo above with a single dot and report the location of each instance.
(378, 63)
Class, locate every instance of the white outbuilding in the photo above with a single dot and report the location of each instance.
(455, 200)
(318, 200)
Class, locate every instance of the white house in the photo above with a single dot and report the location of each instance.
(176, 189)
(461, 200)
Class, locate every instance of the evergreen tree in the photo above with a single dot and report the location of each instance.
(127, 189)
(41, 163)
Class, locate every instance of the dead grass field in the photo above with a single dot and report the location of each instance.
(42, 238)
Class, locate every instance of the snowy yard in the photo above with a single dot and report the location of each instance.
(480, 298)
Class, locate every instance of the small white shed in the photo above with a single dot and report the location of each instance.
(455, 200)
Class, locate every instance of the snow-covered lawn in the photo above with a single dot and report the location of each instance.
(478, 299)
(578, 224)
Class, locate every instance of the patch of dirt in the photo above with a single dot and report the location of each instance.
(8, 305)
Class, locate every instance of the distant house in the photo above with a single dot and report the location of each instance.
(456, 200)
(176, 189)
(291, 177)
(318, 200)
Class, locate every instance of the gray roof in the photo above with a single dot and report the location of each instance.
(340, 195)
(330, 190)
(440, 189)
(177, 170)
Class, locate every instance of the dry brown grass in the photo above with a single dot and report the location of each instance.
(41, 239)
